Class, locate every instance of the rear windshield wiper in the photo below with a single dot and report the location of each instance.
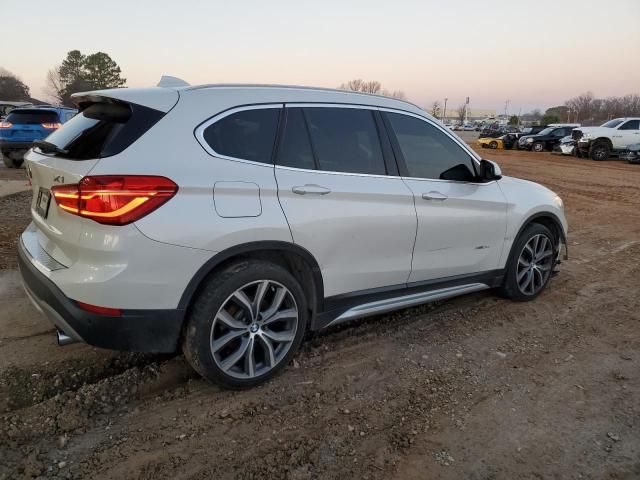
(48, 147)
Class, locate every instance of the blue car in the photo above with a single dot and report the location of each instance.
(25, 125)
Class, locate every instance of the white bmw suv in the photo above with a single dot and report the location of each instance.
(228, 220)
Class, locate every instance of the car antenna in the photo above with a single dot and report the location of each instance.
(168, 81)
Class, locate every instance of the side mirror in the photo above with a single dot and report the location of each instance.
(489, 171)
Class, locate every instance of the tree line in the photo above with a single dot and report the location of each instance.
(76, 73)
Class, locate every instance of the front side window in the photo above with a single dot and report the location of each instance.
(428, 152)
(248, 134)
(631, 125)
(345, 140)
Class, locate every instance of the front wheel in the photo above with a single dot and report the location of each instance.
(599, 151)
(246, 324)
(538, 147)
(529, 268)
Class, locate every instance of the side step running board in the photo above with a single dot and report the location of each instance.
(390, 304)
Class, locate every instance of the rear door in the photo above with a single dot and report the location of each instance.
(342, 198)
(461, 223)
(100, 130)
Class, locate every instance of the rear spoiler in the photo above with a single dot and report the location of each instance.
(161, 99)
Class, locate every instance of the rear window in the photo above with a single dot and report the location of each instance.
(103, 129)
(32, 117)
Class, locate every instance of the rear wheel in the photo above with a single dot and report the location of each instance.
(493, 145)
(10, 162)
(538, 147)
(530, 264)
(246, 324)
(599, 151)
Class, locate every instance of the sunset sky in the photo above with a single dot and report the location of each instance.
(536, 53)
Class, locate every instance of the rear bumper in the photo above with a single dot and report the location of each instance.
(8, 146)
(135, 330)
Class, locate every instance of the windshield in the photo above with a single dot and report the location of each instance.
(612, 123)
(546, 131)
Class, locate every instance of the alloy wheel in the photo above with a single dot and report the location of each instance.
(254, 329)
(534, 264)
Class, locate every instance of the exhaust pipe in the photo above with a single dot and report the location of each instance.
(64, 339)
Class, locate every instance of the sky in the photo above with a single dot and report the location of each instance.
(534, 53)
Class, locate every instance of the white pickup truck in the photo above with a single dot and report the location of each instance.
(610, 138)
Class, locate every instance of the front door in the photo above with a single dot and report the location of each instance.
(461, 222)
(356, 220)
(628, 134)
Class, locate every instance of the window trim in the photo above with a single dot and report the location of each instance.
(199, 131)
(473, 156)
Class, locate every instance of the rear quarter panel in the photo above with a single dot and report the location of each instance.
(190, 219)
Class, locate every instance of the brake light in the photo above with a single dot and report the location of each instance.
(6, 124)
(114, 199)
(51, 126)
(112, 312)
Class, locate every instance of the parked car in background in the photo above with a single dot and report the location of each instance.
(545, 140)
(610, 138)
(227, 221)
(567, 146)
(469, 128)
(532, 130)
(498, 131)
(506, 142)
(24, 125)
(7, 106)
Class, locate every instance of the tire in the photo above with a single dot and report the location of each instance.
(521, 268)
(599, 151)
(493, 145)
(260, 346)
(538, 147)
(10, 162)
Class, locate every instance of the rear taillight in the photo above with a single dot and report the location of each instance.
(114, 199)
(51, 126)
(6, 124)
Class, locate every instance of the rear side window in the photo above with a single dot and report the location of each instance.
(345, 140)
(295, 147)
(248, 134)
(32, 117)
(103, 129)
(428, 152)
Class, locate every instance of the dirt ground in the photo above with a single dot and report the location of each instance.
(473, 388)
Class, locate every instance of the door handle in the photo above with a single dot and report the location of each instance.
(311, 189)
(434, 196)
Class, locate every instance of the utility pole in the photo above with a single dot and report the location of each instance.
(466, 111)
(506, 106)
(444, 115)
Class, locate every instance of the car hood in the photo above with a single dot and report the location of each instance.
(593, 129)
(526, 184)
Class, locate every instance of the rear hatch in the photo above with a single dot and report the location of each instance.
(27, 125)
(103, 128)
